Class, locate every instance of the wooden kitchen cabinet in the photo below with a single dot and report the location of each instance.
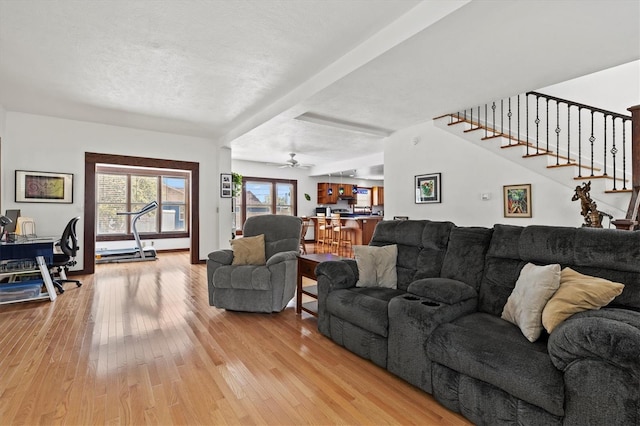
(378, 195)
(323, 193)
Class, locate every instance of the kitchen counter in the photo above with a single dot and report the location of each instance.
(362, 225)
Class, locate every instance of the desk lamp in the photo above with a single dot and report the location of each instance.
(4, 221)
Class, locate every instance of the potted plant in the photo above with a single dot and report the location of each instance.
(236, 188)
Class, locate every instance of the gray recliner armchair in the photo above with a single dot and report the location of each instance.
(258, 288)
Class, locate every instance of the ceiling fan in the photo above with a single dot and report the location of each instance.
(293, 163)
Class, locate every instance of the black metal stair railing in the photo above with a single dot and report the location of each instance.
(608, 132)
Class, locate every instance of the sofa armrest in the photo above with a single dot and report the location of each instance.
(428, 303)
(223, 257)
(281, 257)
(610, 335)
(597, 351)
(333, 275)
(215, 260)
(337, 274)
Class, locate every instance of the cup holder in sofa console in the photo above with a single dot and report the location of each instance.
(430, 303)
(411, 298)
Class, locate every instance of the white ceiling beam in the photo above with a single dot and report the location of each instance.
(417, 19)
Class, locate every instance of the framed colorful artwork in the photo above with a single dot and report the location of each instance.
(44, 187)
(428, 188)
(517, 200)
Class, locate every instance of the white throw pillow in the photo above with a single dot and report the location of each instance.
(534, 288)
(377, 266)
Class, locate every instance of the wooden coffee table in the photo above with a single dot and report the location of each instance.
(307, 268)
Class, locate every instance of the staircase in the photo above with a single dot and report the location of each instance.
(566, 141)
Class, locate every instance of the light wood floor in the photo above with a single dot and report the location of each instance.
(138, 343)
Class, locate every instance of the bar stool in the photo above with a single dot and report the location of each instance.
(322, 239)
(342, 235)
(306, 222)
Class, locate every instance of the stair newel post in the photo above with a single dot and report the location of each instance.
(635, 146)
(624, 155)
(631, 220)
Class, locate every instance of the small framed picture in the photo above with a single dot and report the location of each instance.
(427, 188)
(44, 187)
(517, 200)
(225, 185)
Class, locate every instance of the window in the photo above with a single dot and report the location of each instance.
(123, 189)
(363, 197)
(265, 196)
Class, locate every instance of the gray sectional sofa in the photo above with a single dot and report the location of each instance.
(441, 329)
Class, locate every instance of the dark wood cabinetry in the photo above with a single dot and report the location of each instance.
(323, 193)
(378, 195)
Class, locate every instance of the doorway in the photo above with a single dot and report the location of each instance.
(90, 163)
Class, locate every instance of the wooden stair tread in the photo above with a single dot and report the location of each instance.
(520, 143)
(597, 177)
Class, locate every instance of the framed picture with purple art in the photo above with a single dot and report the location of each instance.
(427, 188)
(44, 187)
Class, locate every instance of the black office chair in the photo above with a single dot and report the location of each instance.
(62, 261)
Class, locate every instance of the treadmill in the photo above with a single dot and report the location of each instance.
(133, 254)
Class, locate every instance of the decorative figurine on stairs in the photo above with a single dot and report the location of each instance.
(592, 216)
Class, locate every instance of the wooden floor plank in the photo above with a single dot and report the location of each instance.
(138, 343)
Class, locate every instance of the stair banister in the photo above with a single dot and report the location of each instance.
(630, 222)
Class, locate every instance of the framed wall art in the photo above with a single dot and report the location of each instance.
(226, 183)
(44, 187)
(427, 188)
(517, 200)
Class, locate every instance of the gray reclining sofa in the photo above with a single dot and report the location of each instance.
(441, 329)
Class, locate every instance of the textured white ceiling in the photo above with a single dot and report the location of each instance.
(239, 72)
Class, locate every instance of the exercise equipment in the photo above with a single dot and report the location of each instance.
(132, 254)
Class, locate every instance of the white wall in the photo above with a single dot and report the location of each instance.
(2, 120)
(467, 172)
(40, 143)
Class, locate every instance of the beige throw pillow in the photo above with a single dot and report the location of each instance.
(248, 250)
(535, 286)
(578, 293)
(376, 266)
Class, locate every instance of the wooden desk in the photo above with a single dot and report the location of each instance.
(307, 268)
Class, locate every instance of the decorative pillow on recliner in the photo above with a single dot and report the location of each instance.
(376, 266)
(535, 286)
(578, 293)
(248, 250)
